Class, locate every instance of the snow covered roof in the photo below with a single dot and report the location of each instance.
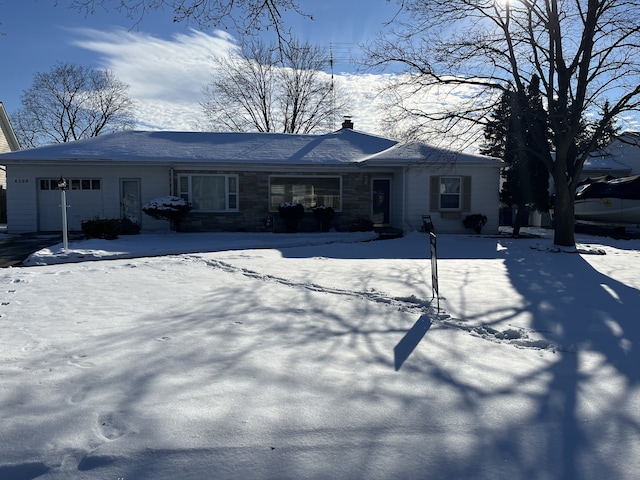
(346, 146)
(620, 157)
(413, 152)
(343, 146)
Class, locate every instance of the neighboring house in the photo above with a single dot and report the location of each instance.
(236, 180)
(8, 143)
(620, 158)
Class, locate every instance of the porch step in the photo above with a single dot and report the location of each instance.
(387, 233)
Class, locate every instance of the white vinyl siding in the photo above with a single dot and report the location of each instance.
(24, 194)
(480, 194)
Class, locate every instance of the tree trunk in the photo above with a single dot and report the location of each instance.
(522, 218)
(564, 216)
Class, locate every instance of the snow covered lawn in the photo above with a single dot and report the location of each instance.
(321, 356)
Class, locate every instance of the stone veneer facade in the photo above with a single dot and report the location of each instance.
(253, 197)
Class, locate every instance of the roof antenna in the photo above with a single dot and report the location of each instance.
(333, 90)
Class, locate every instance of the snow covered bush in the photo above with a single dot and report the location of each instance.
(168, 208)
(324, 215)
(291, 213)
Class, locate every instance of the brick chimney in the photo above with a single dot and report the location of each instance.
(347, 122)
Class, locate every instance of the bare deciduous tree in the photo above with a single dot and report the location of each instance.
(72, 102)
(584, 52)
(272, 89)
(244, 16)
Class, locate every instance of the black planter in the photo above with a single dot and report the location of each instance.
(291, 213)
(324, 216)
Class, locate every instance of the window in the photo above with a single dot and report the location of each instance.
(209, 193)
(73, 184)
(309, 191)
(450, 190)
(450, 194)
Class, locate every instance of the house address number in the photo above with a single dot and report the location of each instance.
(21, 180)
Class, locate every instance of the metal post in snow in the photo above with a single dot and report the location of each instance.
(62, 186)
(427, 226)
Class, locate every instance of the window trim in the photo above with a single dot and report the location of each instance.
(338, 177)
(230, 196)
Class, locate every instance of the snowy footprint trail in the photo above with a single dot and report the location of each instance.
(517, 337)
(407, 304)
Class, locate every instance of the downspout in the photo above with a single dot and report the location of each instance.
(171, 182)
(405, 171)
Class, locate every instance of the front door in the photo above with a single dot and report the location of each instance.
(381, 200)
(130, 199)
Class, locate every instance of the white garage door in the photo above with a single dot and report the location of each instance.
(84, 200)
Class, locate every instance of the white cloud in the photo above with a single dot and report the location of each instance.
(166, 77)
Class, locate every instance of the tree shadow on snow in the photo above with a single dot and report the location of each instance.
(412, 246)
(592, 319)
(24, 471)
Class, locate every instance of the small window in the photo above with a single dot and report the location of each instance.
(450, 191)
(73, 184)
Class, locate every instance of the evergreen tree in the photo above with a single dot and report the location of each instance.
(518, 133)
(609, 128)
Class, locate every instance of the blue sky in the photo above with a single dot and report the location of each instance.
(164, 63)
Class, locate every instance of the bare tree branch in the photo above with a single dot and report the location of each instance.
(266, 89)
(586, 54)
(246, 17)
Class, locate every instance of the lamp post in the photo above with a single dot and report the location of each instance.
(62, 186)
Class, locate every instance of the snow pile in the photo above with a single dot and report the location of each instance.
(264, 357)
(166, 203)
(155, 244)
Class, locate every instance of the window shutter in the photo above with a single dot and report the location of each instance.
(466, 194)
(434, 193)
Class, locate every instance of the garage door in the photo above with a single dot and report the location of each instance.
(84, 200)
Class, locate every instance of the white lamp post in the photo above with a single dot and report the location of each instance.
(62, 186)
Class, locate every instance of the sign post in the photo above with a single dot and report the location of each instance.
(434, 268)
(62, 186)
(427, 226)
